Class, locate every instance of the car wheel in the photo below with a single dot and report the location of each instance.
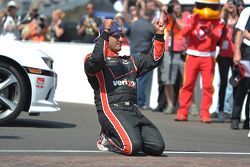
(13, 92)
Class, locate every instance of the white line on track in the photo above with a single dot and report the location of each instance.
(207, 153)
(93, 151)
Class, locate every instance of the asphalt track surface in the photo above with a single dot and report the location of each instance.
(68, 138)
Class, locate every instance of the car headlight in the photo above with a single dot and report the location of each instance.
(49, 61)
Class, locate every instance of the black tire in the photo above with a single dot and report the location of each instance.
(13, 93)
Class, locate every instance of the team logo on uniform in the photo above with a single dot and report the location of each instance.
(202, 31)
(129, 83)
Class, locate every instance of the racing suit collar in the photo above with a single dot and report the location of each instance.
(112, 53)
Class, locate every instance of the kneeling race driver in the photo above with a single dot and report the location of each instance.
(113, 77)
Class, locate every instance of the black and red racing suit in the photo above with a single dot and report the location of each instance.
(113, 79)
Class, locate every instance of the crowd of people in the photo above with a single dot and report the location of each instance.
(136, 19)
(31, 26)
(178, 68)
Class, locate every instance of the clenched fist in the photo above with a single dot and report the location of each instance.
(107, 24)
(159, 26)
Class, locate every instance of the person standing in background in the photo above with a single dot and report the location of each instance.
(29, 20)
(9, 22)
(56, 27)
(241, 6)
(225, 58)
(132, 13)
(2, 15)
(176, 45)
(33, 26)
(122, 22)
(204, 29)
(140, 43)
(246, 124)
(154, 5)
(87, 29)
(242, 53)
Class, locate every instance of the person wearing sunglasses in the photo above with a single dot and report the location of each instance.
(113, 77)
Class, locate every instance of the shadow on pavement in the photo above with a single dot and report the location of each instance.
(40, 124)
(10, 137)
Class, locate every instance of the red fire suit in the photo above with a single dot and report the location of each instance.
(204, 36)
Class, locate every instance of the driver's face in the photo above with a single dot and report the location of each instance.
(115, 42)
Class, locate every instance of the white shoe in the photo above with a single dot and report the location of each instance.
(102, 142)
(248, 134)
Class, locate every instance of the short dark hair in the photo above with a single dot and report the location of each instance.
(89, 3)
(174, 2)
(149, 13)
(241, 1)
(148, 1)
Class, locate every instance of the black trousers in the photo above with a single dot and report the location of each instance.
(224, 64)
(161, 97)
(247, 109)
(161, 90)
(130, 131)
(242, 90)
(161, 93)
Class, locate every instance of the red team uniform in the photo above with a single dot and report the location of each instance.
(204, 32)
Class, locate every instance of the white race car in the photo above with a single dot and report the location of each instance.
(27, 81)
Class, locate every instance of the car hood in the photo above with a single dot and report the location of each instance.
(23, 53)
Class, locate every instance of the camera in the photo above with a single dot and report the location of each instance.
(42, 21)
(171, 7)
(236, 76)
